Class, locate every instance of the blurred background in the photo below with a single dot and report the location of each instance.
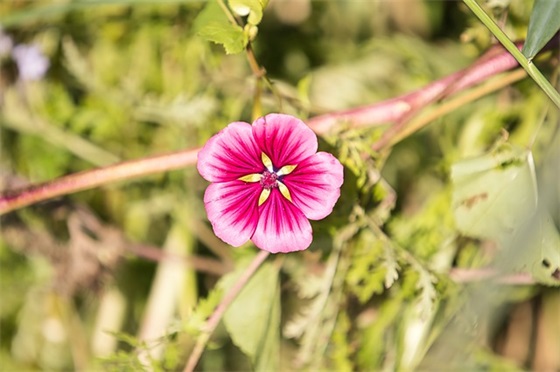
(100, 280)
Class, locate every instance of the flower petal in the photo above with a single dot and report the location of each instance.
(315, 185)
(285, 139)
(282, 227)
(232, 209)
(230, 154)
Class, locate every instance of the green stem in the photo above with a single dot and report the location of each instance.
(228, 13)
(531, 69)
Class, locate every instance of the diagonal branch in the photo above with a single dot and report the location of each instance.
(96, 177)
(220, 310)
(495, 61)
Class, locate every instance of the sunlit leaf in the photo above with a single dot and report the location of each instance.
(495, 197)
(251, 8)
(203, 310)
(253, 319)
(535, 249)
(494, 193)
(370, 351)
(544, 23)
(213, 25)
(367, 275)
(341, 355)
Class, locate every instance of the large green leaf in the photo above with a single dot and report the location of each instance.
(495, 197)
(213, 25)
(253, 319)
(535, 248)
(494, 193)
(544, 23)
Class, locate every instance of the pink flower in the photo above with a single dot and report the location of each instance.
(267, 180)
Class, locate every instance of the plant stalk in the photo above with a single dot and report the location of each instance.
(217, 315)
(515, 51)
(382, 113)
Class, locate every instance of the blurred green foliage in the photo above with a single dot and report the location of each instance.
(86, 282)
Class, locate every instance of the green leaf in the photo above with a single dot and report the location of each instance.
(535, 249)
(368, 273)
(370, 351)
(341, 354)
(213, 25)
(494, 193)
(253, 319)
(527, 65)
(544, 23)
(495, 197)
(251, 8)
(204, 308)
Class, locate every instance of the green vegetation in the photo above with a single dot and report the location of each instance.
(443, 251)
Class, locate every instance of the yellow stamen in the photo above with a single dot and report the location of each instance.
(254, 177)
(286, 169)
(284, 191)
(264, 195)
(267, 162)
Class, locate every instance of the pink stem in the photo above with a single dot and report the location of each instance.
(96, 177)
(217, 315)
(493, 62)
(497, 60)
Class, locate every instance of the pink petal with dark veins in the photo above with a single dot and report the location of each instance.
(285, 139)
(232, 208)
(315, 185)
(230, 154)
(282, 226)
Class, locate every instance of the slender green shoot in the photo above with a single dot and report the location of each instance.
(531, 69)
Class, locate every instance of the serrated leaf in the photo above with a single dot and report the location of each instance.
(203, 310)
(494, 193)
(251, 8)
(368, 274)
(392, 267)
(253, 318)
(213, 25)
(125, 338)
(428, 293)
(543, 24)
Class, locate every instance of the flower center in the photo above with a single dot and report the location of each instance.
(269, 179)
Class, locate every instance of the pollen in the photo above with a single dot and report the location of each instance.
(269, 180)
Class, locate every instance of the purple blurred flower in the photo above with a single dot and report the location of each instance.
(31, 63)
